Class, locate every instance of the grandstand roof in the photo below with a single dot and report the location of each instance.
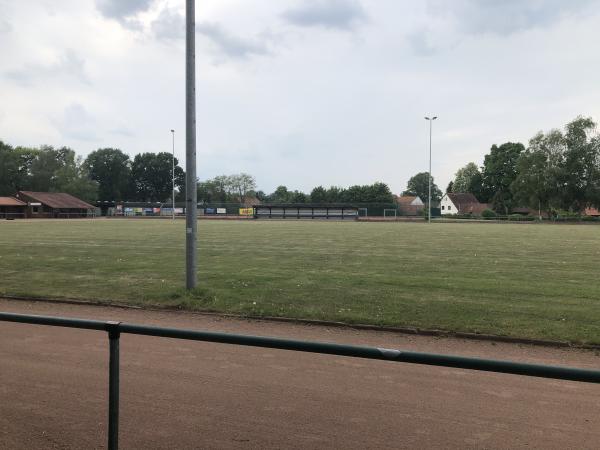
(11, 201)
(58, 200)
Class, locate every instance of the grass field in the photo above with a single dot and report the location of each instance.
(536, 281)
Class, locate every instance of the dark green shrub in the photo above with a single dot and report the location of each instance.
(488, 214)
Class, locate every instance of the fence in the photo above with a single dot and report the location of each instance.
(11, 215)
(114, 330)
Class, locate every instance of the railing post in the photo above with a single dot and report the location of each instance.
(113, 385)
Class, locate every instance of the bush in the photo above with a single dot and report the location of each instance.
(488, 214)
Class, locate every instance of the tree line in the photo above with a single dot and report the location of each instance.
(106, 174)
(242, 188)
(110, 174)
(558, 171)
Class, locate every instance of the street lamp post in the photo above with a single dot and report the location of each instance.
(173, 176)
(430, 119)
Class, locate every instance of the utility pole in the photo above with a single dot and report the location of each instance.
(191, 201)
(173, 176)
(429, 199)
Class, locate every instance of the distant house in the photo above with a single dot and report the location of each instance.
(11, 208)
(591, 212)
(54, 205)
(410, 205)
(461, 203)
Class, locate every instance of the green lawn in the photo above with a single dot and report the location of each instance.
(538, 281)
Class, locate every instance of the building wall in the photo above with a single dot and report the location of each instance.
(447, 207)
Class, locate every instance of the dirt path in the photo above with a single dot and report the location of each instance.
(180, 395)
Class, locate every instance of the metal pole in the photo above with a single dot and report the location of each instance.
(173, 173)
(191, 217)
(430, 120)
(113, 385)
(429, 200)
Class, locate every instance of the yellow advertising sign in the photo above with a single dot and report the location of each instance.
(246, 211)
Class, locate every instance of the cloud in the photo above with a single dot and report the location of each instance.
(122, 131)
(332, 14)
(5, 27)
(169, 25)
(76, 123)
(122, 9)
(507, 16)
(229, 45)
(69, 64)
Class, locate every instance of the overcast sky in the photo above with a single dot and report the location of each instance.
(299, 92)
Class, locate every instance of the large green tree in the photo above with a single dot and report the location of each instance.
(469, 179)
(499, 172)
(242, 185)
(318, 195)
(540, 172)
(74, 179)
(152, 176)
(581, 165)
(419, 185)
(111, 169)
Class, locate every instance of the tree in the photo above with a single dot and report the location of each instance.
(152, 176)
(281, 195)
(469, 179)
(450, 187)
(499, 172)
(581, 165)
(111, 169)
(43, 167)
(539, 173)
(318, 195)
(380, 193)
(9, 170)
(335, 194)
(298, 197)
(242, 184)
(74, 179)
(419, 185)
(561, 170)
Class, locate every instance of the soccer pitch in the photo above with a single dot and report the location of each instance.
(534, 281)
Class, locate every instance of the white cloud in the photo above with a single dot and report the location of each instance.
(68, 65)
(229, 45)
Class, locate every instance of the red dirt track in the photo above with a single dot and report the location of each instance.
(184, 395)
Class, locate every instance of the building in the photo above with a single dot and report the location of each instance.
(55, 205)
(12, 208)
(594, 212)
(461, 203)
(305, 211)
(410, 205)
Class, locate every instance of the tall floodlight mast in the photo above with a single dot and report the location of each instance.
(429, 197)
(191, 200)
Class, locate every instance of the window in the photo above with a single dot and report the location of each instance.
(442, 207)
(449, 207)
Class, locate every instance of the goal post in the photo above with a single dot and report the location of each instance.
(390, 213)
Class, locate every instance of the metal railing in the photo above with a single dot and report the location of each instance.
(114, 330)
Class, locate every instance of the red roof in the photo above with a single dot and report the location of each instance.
(406, 200)
(59, 200)
(461, 199)
(11, 201)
